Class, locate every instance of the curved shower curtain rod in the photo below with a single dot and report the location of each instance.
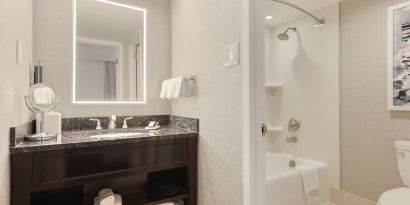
(319, 22)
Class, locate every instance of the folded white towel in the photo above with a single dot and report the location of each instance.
(177, 202)
(170, 88)
(310, 177)
(167, 203)
(164, 88)
(176, 88)
(105, 191)
(105, 197)
(118, 199)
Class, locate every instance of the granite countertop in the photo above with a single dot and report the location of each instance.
(83, 139)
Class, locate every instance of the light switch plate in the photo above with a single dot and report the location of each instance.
(19, 52)
(232, 55)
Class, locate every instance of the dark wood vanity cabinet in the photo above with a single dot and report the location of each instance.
(130, 169)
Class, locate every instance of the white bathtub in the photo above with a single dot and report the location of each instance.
(284, 185)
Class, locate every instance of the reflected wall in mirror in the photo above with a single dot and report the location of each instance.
(110, 53)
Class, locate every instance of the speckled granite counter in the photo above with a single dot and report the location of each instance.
(77, 133)
(83, 139)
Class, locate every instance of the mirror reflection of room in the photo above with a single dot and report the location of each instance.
(109, 54)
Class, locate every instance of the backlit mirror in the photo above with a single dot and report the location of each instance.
(109, 51)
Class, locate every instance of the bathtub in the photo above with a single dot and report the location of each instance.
(284, 185)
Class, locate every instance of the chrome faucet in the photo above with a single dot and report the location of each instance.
(125, 124)
(291, 139)
(112, 124)
(98, 127)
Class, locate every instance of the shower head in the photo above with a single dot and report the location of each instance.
(284, 36)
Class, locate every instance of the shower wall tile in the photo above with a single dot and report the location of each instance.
(310, 90)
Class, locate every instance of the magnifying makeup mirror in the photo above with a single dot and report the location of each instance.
(41, 100)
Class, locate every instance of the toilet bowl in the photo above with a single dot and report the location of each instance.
(400, 196)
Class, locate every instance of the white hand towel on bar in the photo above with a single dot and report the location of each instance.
(176, 88)
(171, 88)
(167, 89)
(310, 177)
(164, 88)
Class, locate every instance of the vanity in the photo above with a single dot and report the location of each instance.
(144, 167)
(102, 57)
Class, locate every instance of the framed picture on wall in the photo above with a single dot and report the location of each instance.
(398, 68)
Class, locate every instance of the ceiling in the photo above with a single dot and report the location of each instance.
(282, 13)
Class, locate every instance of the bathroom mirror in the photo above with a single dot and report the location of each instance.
(110, 55)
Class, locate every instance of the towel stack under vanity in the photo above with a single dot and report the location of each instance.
(107, 197)
(178, 202)
(177, 87)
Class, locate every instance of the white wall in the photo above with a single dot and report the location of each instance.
(15, 24)
(53, 36)
(200, 31)
(308, 66)
(368, 129)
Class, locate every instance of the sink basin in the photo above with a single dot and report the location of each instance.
(116, 135)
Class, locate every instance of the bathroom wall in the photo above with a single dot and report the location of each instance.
(53, 36)
(368, 129)
(200, 31)
(308, 67)
(14, 78)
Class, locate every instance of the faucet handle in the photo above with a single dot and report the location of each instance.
(291, 139)
(98, 127)
(113, 117)
(125, 125)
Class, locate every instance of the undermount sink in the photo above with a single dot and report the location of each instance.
(116, 135)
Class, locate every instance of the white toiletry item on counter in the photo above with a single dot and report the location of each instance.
(52, 123)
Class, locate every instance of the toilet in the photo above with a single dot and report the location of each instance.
(400, 196)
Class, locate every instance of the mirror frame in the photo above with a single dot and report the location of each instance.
(144, 43)
(29, 99)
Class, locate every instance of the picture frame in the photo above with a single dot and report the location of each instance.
(398, 57)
